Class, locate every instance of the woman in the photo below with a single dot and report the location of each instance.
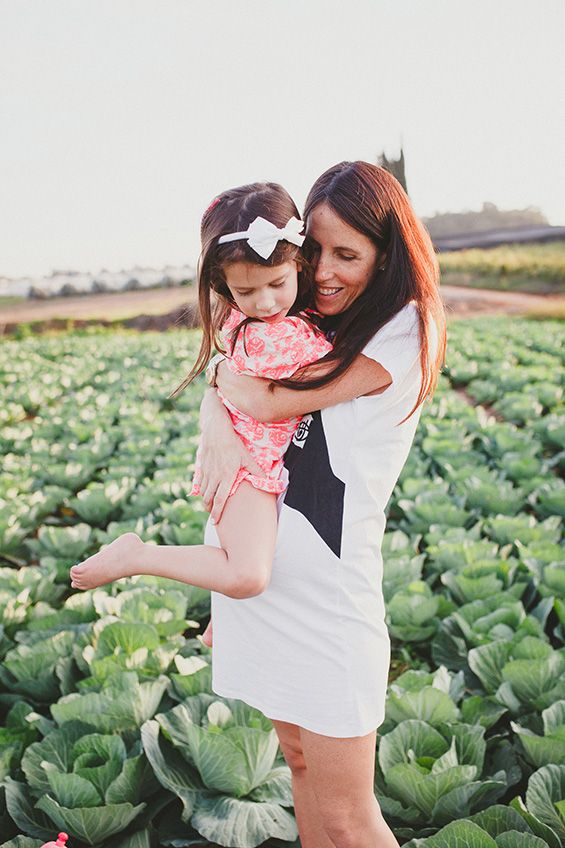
(312, 652)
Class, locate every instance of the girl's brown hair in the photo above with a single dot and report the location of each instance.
(372, 201)
(232, 212)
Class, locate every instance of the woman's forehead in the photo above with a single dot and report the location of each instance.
(324, 224)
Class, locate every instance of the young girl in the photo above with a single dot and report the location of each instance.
(253, 285)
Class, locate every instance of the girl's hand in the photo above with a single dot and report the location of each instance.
(221, 454)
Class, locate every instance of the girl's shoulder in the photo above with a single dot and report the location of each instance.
(297, 327)
(274, 350)
(233, 320)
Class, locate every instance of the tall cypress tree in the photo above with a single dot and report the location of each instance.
(395, 167)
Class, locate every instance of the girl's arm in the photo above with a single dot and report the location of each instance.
(221, 454)
(253, 396)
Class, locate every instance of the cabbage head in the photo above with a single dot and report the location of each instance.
(220, 758)
(88, 784)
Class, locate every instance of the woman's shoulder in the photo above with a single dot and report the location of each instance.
(406, 323)
(396, 345)
(406, 318)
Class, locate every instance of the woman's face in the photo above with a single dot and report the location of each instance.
(344, 260)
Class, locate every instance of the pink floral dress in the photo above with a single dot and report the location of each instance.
(273, 351)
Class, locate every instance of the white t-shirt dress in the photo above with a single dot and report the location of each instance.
(314, 648)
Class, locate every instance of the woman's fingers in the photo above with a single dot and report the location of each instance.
(220, 500)
(248, 462)
(208, 493)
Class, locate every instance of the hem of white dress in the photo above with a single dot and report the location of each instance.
(278, 715)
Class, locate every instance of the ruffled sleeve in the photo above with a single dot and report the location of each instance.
(274, 351)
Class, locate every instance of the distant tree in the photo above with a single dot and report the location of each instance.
(38, 293)
(99, 286)
(395, 167)
(68, 290)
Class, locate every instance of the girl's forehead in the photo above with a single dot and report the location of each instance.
(249, 275)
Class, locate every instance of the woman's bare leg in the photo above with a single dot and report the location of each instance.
(310, 828)
(341, 775)
(241, 568)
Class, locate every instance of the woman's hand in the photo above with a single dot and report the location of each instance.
(221, 454)
(246, 393)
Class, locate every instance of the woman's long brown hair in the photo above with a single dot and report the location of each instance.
(372, 201)
(232, 212)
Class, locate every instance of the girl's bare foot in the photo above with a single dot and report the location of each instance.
(118, 559)
(207, 635)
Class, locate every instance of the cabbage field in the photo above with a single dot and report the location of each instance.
(108, 726)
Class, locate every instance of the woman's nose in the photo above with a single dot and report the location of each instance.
(322, 271)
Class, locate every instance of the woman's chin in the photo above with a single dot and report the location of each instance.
(332, 302)
(327, 306)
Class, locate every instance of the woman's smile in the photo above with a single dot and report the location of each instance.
(325, 292)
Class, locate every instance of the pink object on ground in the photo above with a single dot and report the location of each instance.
(60, 843)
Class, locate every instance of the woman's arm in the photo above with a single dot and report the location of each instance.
(253, 396)
(220, 454)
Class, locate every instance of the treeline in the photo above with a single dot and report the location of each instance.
(490, 217)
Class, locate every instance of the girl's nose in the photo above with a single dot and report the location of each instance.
(266, 304)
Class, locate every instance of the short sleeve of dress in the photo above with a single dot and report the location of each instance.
(276, 350)
(396, 346)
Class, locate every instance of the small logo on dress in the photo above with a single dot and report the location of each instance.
(301, 433)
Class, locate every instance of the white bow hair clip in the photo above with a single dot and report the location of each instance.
(263, 236)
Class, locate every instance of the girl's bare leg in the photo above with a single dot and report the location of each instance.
(208, 635)
(241, 568)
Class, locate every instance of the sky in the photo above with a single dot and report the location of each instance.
(121, 119)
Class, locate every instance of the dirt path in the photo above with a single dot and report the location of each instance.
(111, 306)
(462, 302)
(459, 301)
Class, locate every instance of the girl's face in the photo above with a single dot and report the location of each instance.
(262, 292)
(344, 260)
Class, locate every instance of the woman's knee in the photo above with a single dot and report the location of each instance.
(291, 747)
(345, 822)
